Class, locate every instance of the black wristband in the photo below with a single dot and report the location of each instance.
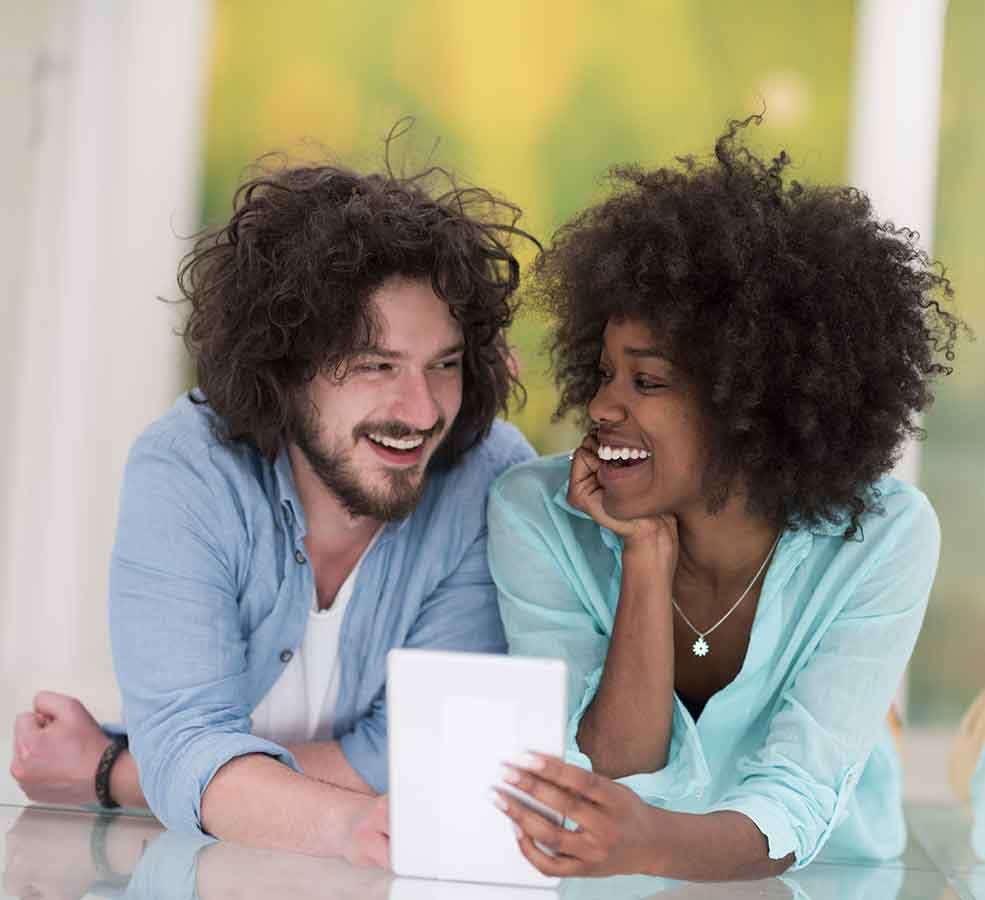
(118, 744)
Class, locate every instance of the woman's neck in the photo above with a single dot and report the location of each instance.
(719, 551)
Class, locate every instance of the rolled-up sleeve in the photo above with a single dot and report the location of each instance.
(553, 605)
(541, 611)
(460, 614)
(831, 712)
(179, 648)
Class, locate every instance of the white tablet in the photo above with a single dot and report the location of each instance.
(453, 720)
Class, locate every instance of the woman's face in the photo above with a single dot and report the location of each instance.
(645, 404)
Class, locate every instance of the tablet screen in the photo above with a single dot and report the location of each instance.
(454, 719)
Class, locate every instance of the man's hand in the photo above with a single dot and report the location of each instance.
(56, 751)
(369, 843)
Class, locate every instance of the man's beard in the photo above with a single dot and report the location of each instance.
(336, 471)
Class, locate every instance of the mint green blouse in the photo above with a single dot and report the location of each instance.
(798, 741)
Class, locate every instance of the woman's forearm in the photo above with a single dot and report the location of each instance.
(626, 729)
(719, 846)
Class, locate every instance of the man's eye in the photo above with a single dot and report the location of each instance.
(449, 364)
(373, 367)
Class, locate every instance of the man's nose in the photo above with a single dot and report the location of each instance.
(415, 404)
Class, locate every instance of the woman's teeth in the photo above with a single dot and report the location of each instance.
(607, 453)
(397, 443)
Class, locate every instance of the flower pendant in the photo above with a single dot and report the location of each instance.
(700, 647)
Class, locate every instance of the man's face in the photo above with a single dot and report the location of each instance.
(374, 429)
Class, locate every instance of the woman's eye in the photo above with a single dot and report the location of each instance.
(648, 384)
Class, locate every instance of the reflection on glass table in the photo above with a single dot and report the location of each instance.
(68, 854)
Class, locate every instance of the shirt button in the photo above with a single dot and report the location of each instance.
(286, 656)
(299, 556)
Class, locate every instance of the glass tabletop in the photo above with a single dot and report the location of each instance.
(64, 853)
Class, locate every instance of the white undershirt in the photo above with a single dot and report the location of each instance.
(300, 706)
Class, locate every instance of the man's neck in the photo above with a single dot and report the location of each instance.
(332, 530)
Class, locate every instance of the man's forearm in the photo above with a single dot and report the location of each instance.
(719, 846)
(325, 761)
(626, 729)
(124, 782)
(257, 801)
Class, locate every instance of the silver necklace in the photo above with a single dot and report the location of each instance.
(700, 646)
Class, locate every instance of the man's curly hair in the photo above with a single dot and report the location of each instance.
(807, 327)
(281, 292)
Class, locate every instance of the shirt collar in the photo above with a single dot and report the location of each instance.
(287, 492)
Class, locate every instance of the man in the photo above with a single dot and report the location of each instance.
(317, 501)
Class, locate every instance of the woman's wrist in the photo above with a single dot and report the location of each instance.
(646, 559)
(653, 847)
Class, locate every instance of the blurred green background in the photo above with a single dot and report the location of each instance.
(535, 100)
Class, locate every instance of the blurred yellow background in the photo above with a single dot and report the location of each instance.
(535, 100)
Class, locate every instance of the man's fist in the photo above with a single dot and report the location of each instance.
(369, 840)
(56, 751)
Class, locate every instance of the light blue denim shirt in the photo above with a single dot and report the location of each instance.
(210, 589)
(798, 741)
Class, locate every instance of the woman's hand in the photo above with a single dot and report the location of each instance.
(615, 833)
(658, 532)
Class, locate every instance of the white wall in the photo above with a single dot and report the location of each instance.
(899, 47)
(102, 102)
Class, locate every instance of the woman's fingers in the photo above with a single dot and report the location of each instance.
(553, 866)
(567, 804)
(531, 823)
(584, 459)
(573, 779)
(583, 482)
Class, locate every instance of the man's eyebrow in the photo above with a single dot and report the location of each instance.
(450, 350)
(384, 353)
(375, 350)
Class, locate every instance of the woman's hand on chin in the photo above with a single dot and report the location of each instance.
(658, 532)
(615, 831)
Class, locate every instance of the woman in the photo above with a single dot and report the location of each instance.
(734, 582)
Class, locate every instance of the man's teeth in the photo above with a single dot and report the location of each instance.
(606, 452)
(397, 443)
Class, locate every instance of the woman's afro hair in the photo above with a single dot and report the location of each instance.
(808, 328)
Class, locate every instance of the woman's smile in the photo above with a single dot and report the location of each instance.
(620, 464)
